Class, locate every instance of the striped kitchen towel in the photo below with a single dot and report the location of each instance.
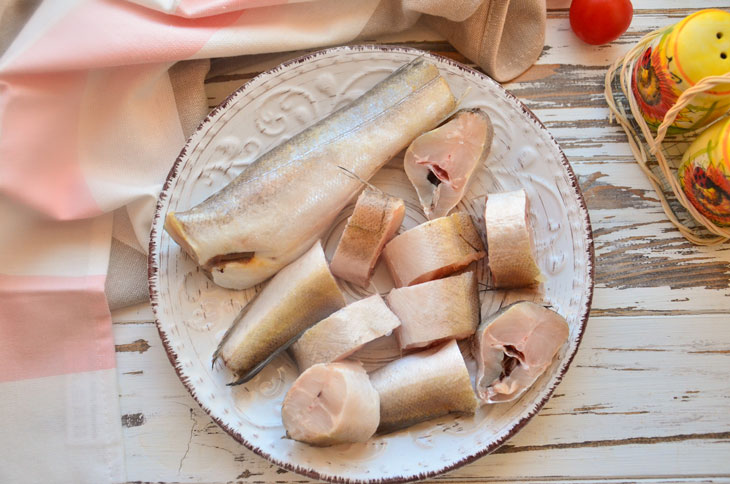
(97, 98)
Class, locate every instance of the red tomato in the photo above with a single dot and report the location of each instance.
(600, 21)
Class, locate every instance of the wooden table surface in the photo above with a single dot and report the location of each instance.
(647, 397)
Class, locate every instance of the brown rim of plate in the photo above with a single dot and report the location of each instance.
(152, 269)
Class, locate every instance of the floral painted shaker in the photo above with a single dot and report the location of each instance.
(696, 47)
(704, 174)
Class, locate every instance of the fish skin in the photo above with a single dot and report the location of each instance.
(434, 249)
(344, 332)
(525, 333)
(331, 403)
(422, 386)
(288, 197)
(451, 153)
(301, 294)
(436, 310)
(375, 220)
(511, 256)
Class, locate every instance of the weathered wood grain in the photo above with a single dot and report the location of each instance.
(139, 346)
(649, 386)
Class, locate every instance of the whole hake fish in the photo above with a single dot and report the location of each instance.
(286, 199)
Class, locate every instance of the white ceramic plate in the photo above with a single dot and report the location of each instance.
(192, 313)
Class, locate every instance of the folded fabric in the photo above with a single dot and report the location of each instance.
(97, 98)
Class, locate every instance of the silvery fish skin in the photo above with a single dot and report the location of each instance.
(510, 240)
(434, 249)
(301, 294)
(375, 220)
(514, 347)
(287, 198)
(437, 310)
(344, 332)
(331, 403)
(440, 163)
(423, 386)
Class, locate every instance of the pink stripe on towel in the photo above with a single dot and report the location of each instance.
(39, 144)
(53, 326)
(106, 33)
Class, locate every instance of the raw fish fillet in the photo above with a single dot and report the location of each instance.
(441, 162)
(286, 199)
(510, 241)
(423, 386)
(436, 310)
(376, 219)
(433, 249)
(344, 332)
(514, 347)
(301, 294)
(332, 403)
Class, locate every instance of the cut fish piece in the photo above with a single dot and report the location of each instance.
(514, 347)
(510, 241)
(423, 386)
(286, 199)
(440, 163)
(434, 249)
(344, 332)
(332, 403)
(376, 219)
(301, 294)
(437, 310)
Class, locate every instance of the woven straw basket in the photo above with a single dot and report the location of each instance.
(660, 154)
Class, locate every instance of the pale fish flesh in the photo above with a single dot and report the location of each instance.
(344, 332)
(433, 249)
(510, 241)
(514, 347)
(436, 310)
(286, 199)
(375, 220)
(331, 403)
(440, 163)
(301, 294)
(423, 386)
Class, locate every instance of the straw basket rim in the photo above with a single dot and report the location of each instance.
(706, 232)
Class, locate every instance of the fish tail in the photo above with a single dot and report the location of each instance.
(239, 317)
(216, 353)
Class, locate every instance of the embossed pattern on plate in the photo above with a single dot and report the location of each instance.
(192, 313)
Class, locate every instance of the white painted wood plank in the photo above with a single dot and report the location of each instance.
(642, 398)
(566, 48)
(657, 300)
(138, 313)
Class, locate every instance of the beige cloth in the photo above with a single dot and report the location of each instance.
(13, 15)
(504, 37)
(126, 282)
